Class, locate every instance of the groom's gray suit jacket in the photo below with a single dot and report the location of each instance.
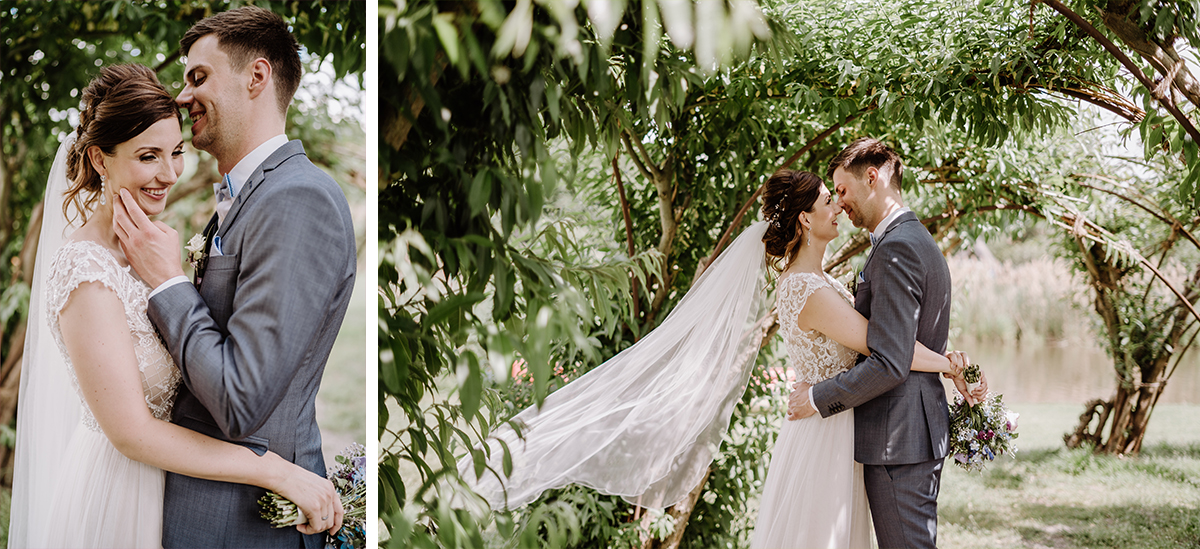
(900, 416)
(253, 340)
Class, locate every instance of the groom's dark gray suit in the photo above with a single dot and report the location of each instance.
(253, 340)
(901, 422)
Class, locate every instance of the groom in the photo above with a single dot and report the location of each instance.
(253, 334)
(901, 423)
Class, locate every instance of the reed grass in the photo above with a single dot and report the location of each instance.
(1039, 301)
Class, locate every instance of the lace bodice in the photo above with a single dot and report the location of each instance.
(814, 356)
(83, 261)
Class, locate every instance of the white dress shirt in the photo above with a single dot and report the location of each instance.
(878, 233)
(237, 179)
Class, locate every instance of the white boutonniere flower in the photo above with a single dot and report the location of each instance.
(195, 250)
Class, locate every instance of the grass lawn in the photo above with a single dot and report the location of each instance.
(1049, 496)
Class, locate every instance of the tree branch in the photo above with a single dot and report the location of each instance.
(641, 156)
(167, 62)
(1129, 112)
(1163, 99)
(1164, 60)
(634, 155)
(1161, 217)
(396, 124)
(633, 283)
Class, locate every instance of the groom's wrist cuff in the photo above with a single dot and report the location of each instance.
(171, 282)
(812, 404)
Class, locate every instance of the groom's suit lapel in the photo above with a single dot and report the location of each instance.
(288, 150)
(902, 219)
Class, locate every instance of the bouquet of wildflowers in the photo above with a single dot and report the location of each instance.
(980, 433)
(349, 478)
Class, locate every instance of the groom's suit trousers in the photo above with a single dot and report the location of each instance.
(252, 342)
(901, 421)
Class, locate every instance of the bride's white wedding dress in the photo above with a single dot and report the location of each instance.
(814, 495)
(102, 498)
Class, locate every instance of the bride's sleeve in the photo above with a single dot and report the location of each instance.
(792, 292)
(71, 268)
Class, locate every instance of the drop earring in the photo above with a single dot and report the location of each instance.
(103, 189)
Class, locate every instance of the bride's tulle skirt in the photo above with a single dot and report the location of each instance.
(104, 499)
(814, 496)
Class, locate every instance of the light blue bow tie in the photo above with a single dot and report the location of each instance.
(224, 192)
(874, 240)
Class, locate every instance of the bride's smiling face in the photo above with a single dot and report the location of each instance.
(822, 220)
(147, 165)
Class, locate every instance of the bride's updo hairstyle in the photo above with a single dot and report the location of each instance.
(786, 194)
(118, 105)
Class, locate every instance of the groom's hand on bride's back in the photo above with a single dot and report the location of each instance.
(151, 247)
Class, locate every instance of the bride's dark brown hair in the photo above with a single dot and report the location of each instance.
(786, 194)
(118, 105)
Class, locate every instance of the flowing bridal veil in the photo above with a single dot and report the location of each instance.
(646, 424)
(47, 408)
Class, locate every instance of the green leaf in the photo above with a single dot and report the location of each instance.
(390, 374)
(472, 386)
(507, 458)
(443, 23)
(451, 305)
(479, 460)
(481, 192)
(391, 488)
(503, 298)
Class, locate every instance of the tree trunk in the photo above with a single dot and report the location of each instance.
(1142, 372)
(681, 512)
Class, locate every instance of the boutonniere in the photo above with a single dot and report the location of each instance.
(195, 251)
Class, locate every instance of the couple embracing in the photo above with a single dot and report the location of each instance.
(646, 424)
(155, 410)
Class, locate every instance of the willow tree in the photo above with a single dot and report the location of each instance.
(482, 107)
(1149, 318)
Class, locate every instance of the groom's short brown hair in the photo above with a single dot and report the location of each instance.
(251, 32)
(864, 153)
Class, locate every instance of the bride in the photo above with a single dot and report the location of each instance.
(93, 430)
(646, 424)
